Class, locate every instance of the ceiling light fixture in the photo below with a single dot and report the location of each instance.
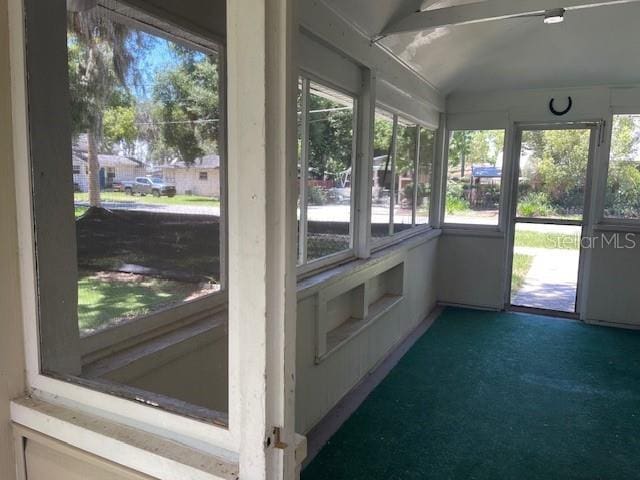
(555, 15)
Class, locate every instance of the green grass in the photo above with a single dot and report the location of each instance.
(562, 241)
(103, 300)
(521, 266)
(150, 199)
(80, 211)
(455, 205)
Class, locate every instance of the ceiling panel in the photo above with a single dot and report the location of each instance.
(593, 46)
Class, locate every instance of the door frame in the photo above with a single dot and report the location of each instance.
(595, 127)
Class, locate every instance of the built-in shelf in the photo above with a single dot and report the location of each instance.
(351, 306)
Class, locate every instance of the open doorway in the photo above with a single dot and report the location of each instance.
(551, 195)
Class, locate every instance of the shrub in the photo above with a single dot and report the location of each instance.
(316, 195)
(422, 192)
(535, 205)
(456, 205)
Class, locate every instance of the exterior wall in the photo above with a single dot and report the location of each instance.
(81, 180)
(188, 180)
(122, 173)
(11, 339)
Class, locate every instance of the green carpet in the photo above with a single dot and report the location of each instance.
(486, 395)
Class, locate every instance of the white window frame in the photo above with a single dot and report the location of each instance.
(602, 178)
(415, 229)
(473, 227)
(306, 266)
(205, 435)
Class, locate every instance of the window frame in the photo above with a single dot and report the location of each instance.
(415, 229)
(602, 222)
(181, 426)
(498, 227)
(308, 267)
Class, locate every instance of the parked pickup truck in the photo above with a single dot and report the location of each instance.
(149, 186)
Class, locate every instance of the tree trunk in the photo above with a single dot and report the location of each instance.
(94, 170)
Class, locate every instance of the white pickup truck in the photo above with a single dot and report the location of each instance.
(149, 186)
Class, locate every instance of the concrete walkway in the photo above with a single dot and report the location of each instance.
(551, 281)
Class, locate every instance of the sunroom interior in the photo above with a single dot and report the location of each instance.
(319, 239)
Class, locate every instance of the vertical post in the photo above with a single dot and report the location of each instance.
(262, 175)
(364, 162)
(12, 365)
(439, 175)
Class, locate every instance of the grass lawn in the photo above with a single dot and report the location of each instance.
(150, 199)
(562, 241)
(80, 211)
(521, 266)
(106, 298)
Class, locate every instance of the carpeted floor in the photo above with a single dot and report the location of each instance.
(486, 395)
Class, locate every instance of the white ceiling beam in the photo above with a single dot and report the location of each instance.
(486, 11)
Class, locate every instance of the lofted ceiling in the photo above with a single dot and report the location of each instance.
(594, 46)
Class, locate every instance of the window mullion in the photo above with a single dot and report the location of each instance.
(416, 163)
(304, 162)
(394, 151)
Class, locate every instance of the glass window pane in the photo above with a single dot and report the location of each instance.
(473, 176)
(553, 173)
(381, 185)
(425, 165)
(622, 198)
(146, 166)
(404, 176)
(331, 117)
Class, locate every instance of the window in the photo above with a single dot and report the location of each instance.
(76, 169)
(423, 180)
(203, 176)
(474, 171)
(400, 162)
(141, 104)
(622, 198)
(325, 170)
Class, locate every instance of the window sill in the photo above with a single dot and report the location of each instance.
(493, 231)
(136, 449)
(400, 237)
(618, 227)
(312, 284)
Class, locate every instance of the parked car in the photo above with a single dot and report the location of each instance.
(117, 186)
(149, 186)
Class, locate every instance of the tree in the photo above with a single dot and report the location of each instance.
(459, 149)
(100, 62)
(186, 106)
(330, 137)
(120, 128)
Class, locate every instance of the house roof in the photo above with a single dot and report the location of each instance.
(80, 151)
(208, 161)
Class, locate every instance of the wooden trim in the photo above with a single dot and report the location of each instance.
(141, 451)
